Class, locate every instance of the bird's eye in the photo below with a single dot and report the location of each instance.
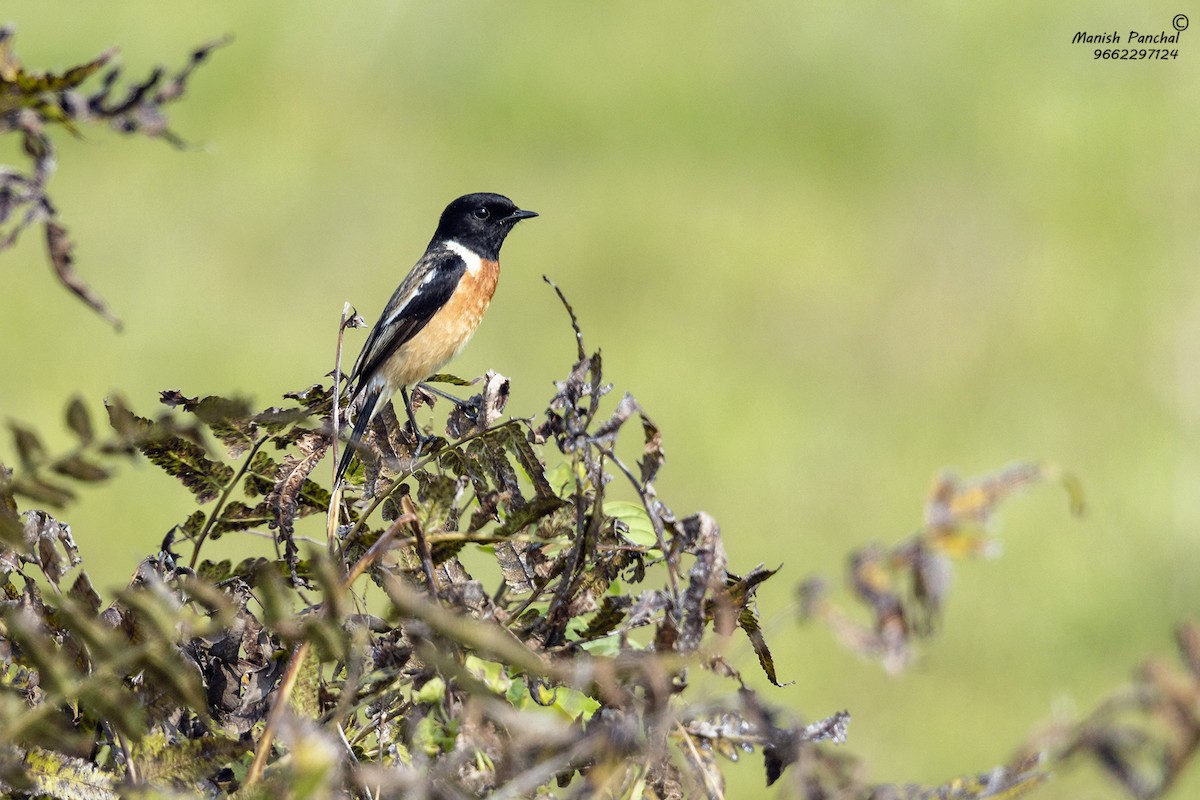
(481, 213)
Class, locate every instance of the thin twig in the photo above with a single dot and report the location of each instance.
(282, 695)
(335, 500)
(526, 783)
(655, 520)
(223, 499)
(714, 789)
(422, 547)
(292, 673)
(378, 548)
(515, 614)
(571, 312)
(131, 770)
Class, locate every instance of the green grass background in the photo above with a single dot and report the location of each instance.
(832, 250)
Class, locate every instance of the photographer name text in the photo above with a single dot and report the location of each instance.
(1162, 37)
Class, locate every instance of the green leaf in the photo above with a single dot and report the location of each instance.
(574, 704)
(215, 571)
(491, 673)
(127, 424)
(436, 494)
(187, 762)
(238, 516)
(447, 378)
(186, 461)
(32, 84)
(610, 614)
(518, 694)
(748, 622)
(60, 776)
(192, 526)
(638, 527)
(533, 511)
(305, 701)
(433, 691)
(433, 738)
(229, 420)
(260, 475)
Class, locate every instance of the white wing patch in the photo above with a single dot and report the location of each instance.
(395, 315)
(469, 256)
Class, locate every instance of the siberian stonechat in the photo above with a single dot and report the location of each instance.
(433, 313)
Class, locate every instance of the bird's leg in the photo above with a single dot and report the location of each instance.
(467, 406)
(412, 418)
(422, 439)
(458, 402)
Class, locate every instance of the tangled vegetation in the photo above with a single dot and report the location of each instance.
(32, 104)
(508, 610)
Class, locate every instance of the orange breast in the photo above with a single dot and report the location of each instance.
(448, 332)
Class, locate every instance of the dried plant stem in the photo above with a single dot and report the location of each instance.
(224, 498)
(290, 675)
(655, 521)
(422, 548)
(335, 501)
(714, 789)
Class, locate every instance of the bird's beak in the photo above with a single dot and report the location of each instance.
(521, 214)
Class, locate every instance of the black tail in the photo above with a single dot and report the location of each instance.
(365, 413)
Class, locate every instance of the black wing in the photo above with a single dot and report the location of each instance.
(425, 290)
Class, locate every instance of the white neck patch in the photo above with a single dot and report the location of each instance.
(469, 256)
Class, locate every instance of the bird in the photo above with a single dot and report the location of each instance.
(435, 310)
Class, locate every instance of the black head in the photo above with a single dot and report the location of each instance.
(480, 221)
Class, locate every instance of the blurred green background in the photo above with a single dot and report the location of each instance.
(832, 250)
